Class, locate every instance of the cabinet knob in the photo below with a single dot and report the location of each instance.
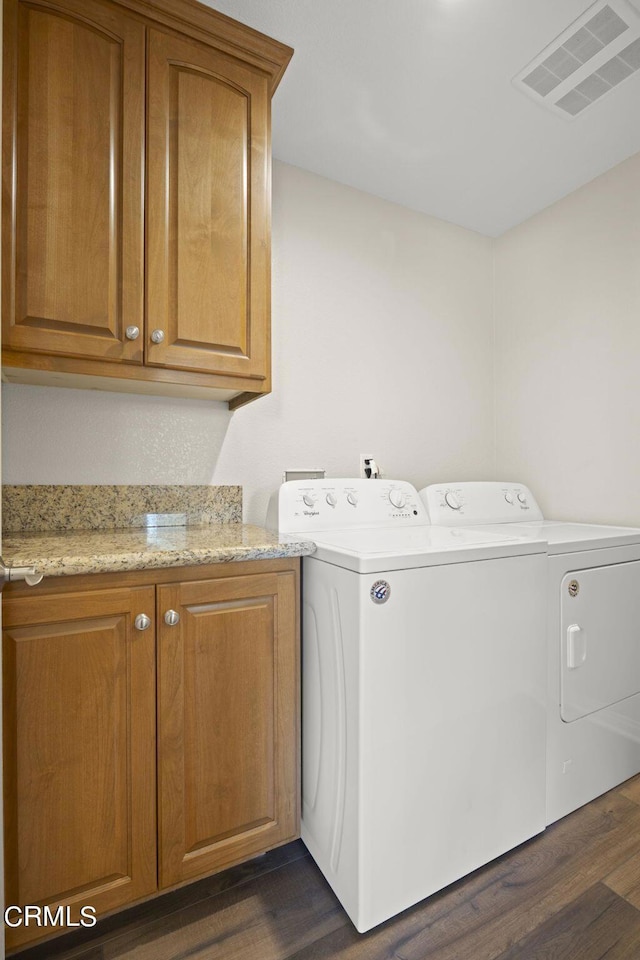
(157, 336)
(142, 621)
(132, 333)
(171, 617)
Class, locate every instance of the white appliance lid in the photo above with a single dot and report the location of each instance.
(567, 537)
(372, 550)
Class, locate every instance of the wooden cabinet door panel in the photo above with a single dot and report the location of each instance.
(207, 210)
(73, 156)
(79, 733)
(227, 722)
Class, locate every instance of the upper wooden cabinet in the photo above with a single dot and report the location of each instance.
(207, 210)
(73, 251)
(119, 128)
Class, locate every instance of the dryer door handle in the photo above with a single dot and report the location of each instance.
(576, 646)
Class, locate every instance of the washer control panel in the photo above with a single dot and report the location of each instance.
(337, 504)
(465, 503)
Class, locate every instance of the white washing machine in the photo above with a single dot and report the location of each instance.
(424, 678)
(593, 726)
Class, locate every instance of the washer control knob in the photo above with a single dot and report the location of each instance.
(508, 497)
(352, 498)
(522, 498)
(309, 499)
(452, 500)
(331, 499)
(397, 498)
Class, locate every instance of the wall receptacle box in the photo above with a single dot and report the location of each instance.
(303, 475)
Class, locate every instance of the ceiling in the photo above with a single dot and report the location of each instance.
(412, 100)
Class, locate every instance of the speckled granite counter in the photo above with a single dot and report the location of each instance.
(105, 551)
(31, 508)
(67, 530)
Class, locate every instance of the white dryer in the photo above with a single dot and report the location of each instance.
(424, 673)
(593, 725)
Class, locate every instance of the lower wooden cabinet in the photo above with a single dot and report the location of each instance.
(100, 717)
(79, 774)
(227, 672)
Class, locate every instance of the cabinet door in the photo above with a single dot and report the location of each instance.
(207, 210)
(79, 757)
(73, 163)
(227, 722)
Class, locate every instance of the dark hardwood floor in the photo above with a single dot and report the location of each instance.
(573, 893)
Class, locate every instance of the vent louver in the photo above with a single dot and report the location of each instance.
(591, 57)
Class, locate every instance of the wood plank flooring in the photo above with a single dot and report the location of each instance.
(573, 893)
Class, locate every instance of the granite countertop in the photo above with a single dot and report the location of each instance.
(61, 553)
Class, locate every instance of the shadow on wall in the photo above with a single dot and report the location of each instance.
(56, 435)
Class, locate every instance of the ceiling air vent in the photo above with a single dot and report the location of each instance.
(591, 57)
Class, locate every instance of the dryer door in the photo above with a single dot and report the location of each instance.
(600, 638)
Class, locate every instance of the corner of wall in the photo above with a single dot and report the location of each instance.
(494, 355)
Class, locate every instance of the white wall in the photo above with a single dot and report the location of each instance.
(568, 351)
(382, 344)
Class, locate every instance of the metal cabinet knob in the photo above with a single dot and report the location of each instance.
(171, 617)
(132, 333)
(142, 622)
(157, 336)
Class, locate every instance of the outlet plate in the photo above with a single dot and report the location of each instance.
(302, 473)
(364, 457)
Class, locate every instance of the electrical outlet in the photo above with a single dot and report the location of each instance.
(368, 467)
